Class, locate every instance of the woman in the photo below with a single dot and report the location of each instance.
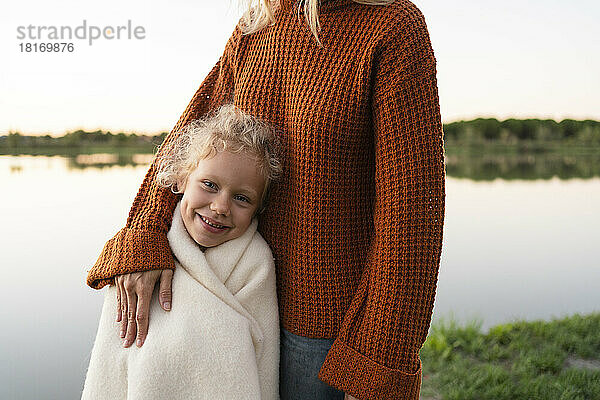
(355, 222)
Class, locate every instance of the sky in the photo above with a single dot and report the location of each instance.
(495, 59)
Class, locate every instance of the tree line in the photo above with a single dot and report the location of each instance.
(480, 130)
(513, 131)
(80, 138)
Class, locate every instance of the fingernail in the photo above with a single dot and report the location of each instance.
(139, 343)
(122, 334)
(167, 305)
(126, 343)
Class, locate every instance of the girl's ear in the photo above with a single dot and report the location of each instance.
(179, 187)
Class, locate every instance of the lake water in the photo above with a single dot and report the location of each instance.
(524, 247)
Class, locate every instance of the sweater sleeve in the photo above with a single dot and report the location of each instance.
(376, 354)
(142, 244)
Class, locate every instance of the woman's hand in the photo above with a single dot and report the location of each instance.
(349, 397)
(134, 292)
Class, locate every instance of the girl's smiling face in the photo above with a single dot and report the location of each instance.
(220, 198)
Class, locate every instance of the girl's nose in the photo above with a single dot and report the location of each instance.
(220, 205)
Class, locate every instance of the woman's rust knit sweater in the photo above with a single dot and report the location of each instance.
(355, 222)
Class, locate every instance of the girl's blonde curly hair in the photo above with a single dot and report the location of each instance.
(226, 129)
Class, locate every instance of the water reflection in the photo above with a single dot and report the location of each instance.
(485, 167)
(55, 220)
(474, 166)
(103, 160)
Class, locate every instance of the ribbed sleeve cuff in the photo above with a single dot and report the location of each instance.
(353, 373)
(130, 250)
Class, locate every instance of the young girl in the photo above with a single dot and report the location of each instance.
(221, 340)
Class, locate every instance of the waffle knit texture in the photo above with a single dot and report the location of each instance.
(355, 223)
(219, 342)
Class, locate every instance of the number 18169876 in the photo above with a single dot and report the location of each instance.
(46, 47)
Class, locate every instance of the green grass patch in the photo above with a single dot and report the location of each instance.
(557, 359)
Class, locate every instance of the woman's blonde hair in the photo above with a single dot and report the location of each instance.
(226, 129)
(259, 13)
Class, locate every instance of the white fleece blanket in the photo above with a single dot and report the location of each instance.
(219, 341)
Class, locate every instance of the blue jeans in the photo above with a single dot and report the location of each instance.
(301, 359)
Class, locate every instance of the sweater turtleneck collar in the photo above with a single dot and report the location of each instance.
(287, 5)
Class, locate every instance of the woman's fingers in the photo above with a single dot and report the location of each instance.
(134, 293)
(130, 290)
(123, 293)
(118, 300)
(141, 316)
(165, 293)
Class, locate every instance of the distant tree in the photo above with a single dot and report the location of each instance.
(489, 128)
(14, 139)
(121, 138)
(451, 130)
(569, 127)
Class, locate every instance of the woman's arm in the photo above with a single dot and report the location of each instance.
(142, 247)
(376, 354)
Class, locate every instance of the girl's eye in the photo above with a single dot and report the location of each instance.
(209, 184)
(243, 198)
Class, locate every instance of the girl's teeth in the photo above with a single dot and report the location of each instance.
(211, 224)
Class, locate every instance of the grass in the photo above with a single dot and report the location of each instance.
(559, 359)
